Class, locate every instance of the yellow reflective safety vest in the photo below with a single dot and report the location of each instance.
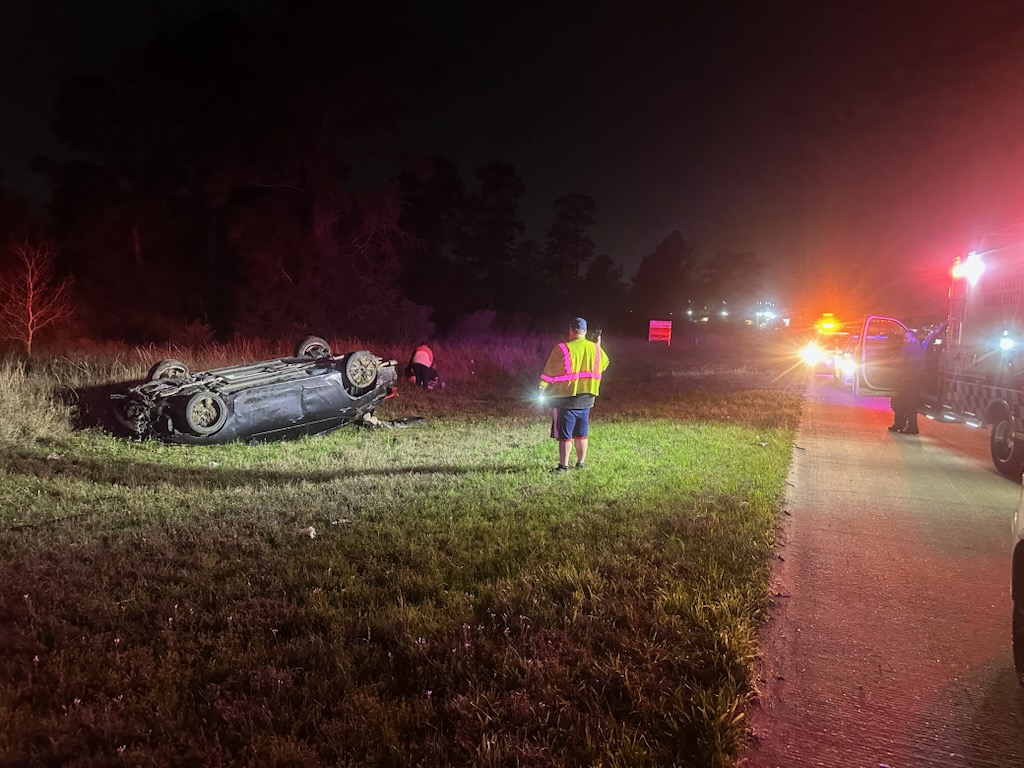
(574, 368)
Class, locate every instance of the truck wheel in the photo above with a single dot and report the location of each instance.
(1018, 640)
(168, 369)
(313, 346)
(1007, 453)
(205, 413)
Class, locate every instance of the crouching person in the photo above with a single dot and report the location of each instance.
(420, 369)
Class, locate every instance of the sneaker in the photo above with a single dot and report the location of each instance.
(580, 465)
(560, 468)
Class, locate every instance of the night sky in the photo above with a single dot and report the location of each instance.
(854, 146)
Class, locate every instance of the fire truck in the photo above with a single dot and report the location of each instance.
(975, 360)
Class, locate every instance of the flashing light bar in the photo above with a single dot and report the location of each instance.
(827, 323)
(970, 269)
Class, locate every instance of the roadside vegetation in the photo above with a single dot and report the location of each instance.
(424, 595)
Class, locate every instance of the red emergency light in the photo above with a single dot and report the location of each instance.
(970, 269)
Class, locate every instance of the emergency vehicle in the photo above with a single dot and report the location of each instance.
(975, 362)
(827, 341)
(1017, 591)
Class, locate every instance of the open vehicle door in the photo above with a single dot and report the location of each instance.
(878, 355)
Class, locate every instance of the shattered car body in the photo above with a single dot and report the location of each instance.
(310, 393)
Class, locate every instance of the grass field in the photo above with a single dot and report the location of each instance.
(429, 595)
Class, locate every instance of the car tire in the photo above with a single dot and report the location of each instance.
(313, 346)
(168, 369)
(1007, 453)
(127, 415)
(1018, 640)
(361, 369)
(205, 413)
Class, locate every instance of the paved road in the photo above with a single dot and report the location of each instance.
(889, 642)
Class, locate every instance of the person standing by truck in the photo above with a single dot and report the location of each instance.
(908, 397)
(570, 384)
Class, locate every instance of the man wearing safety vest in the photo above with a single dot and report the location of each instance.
(570, 384)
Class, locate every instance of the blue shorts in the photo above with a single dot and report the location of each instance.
(567, 423)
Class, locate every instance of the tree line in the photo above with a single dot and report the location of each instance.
(211, 181)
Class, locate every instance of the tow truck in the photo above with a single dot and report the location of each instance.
(974, 362)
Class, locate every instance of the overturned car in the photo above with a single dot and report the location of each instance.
(312, 392)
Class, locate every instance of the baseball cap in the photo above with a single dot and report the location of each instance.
(578, 324)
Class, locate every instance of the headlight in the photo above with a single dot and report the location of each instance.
(812, 354)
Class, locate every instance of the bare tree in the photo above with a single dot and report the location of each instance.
(31, 295)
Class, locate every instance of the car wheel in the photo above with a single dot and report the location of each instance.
(1018, 640)
(205, 413)
(313, 346)
(168, 369)
(361, 369)
(1007, 453)
(131, 416)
